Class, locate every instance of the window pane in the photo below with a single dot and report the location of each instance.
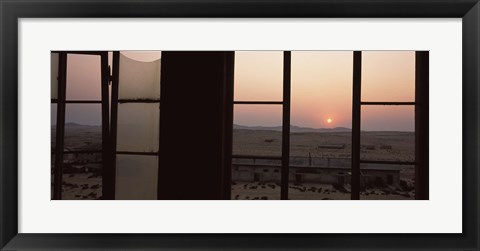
(258, 76)
(138, 127)
(388, 76)
(82, 176)
(142, 56)
(257, 130)
(257, 136)
(387, 133)
(321, 118)
(136, 177)
(54, 75)
(387, 182)
(83, 77)
(83, 130)
(139, 79)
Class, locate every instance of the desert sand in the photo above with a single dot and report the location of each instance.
(390, 146)
(81, 183)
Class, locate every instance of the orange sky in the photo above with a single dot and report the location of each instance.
(321, 87)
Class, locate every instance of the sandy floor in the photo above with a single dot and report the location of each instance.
(81, 186)
(397, 146)
(271, 191)
(394, 146)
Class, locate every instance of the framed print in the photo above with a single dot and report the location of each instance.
(322, 125)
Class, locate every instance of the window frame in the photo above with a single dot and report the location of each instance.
(285, 150)
(111, 189)
(61, 102)
(421, 126)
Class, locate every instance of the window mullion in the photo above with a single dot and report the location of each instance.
(107, 165)
(421, 125)
(287, 56)
(356, 112)
(110, 190)
(60, 130)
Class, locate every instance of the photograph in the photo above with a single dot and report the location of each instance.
(239, 125)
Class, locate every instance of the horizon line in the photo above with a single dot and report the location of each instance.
(322, 128)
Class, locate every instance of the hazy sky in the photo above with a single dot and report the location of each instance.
(321, 94)
(83, 83)
(321, 88)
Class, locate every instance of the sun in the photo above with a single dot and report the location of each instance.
(329, 120)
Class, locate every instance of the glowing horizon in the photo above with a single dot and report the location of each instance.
(321, 88)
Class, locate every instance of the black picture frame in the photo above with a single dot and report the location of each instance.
(11, 11)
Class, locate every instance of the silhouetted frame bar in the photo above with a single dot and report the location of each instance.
(159, 127)
(228, 125)
(258, 102)
(387, 103)
(421, 125)
(110, 191)
(287, 61)
(107, 179)
(356, 111)
(61, 105)
(60, 130)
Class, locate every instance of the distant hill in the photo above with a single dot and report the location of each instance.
(293, 128)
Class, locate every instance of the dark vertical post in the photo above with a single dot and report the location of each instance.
(228, 124)
(356, 111)
(193, 84)
(160, 110)
(421, 125)
(106, 160)
(113, 127)
(287, 61)
(62, 83)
